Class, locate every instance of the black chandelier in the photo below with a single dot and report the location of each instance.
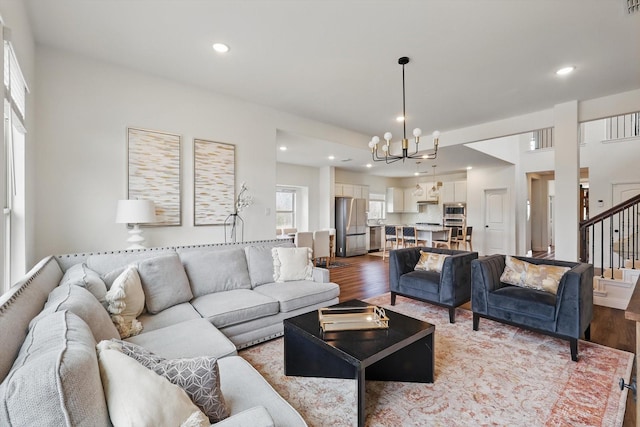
(386, 156)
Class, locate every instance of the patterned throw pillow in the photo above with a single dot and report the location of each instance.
(430, 261)
(125, 302)
(292, 264)
(515, 271)
(199, 377)
(544, 277)
(541, 277)
(136, 396)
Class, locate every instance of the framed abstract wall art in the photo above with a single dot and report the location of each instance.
(153, 163)
(214, 181)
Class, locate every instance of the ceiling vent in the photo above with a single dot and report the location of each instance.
(633, 6)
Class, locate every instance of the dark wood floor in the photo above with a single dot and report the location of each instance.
(368, 275)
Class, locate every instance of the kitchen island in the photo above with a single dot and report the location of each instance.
(427, 233)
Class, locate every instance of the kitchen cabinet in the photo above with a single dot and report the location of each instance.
(410, 201)
(453, 192)
(395, 200)
(352, 190)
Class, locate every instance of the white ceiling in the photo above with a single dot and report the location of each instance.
(335, 61)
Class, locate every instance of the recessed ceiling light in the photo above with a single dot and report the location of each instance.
(565, 70)
(400, 119)
(332, 157)
(369, 165)
(220, 47)
(283, 148)
(416, 173)
(469, 168)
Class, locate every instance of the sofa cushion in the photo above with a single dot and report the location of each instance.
(216, 271)
(83, 276)
(292, 264)
(258, 416)
(55, 379)
(20, 304)
(244, 388)
(298, 294)
(186, 339)
(110, 265)
(232, 307)
(137, 396)
(198, 376)
(425, 281)
(260, 264)
(126, 302)
(84, 305)
(430, 261)
(164, 282)
(170, 316)
(531, 302)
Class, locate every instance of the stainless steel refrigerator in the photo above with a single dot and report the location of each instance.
(351, 226)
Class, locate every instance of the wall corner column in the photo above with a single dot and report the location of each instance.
(567, 181)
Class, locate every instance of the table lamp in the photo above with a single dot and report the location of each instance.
(135, 212)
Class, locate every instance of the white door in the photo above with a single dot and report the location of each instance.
(496, 220)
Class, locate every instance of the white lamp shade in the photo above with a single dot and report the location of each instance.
(135, 212)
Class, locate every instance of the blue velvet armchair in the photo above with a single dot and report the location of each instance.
(566, 315)
(450, 288)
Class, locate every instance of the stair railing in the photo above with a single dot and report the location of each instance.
(622, 220)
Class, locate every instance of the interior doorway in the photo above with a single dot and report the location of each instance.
(496, 220)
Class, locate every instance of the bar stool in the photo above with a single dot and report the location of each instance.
(390, 236)
(445, 242)
(409, 236)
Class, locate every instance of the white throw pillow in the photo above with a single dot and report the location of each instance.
(292, 264)
(125, 302)
(137, 396)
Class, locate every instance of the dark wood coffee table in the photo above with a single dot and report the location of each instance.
(403, 352)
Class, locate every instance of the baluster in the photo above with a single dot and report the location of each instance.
(611, 246)
(602, 249)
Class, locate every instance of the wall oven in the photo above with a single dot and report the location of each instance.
(454, 214)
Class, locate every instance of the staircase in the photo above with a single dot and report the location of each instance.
(611, 242)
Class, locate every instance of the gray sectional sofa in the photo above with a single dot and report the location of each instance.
(49, 328)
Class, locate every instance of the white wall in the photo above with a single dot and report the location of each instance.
(302, 177)
(84, 109)
(479, 180)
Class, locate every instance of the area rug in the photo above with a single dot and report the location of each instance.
(496, 376)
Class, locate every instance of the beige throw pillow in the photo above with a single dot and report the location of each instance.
(527, 275)
(515, 271)
(292, 264)
(430, 261)
(125, 302)
(545, 277)
(137, 396)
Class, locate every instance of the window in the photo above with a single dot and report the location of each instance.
(376, 206)
(14, 235)
(285, 208)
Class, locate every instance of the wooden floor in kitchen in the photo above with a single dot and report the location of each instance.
(368, 275)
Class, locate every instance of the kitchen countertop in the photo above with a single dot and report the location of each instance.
(423, 227)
